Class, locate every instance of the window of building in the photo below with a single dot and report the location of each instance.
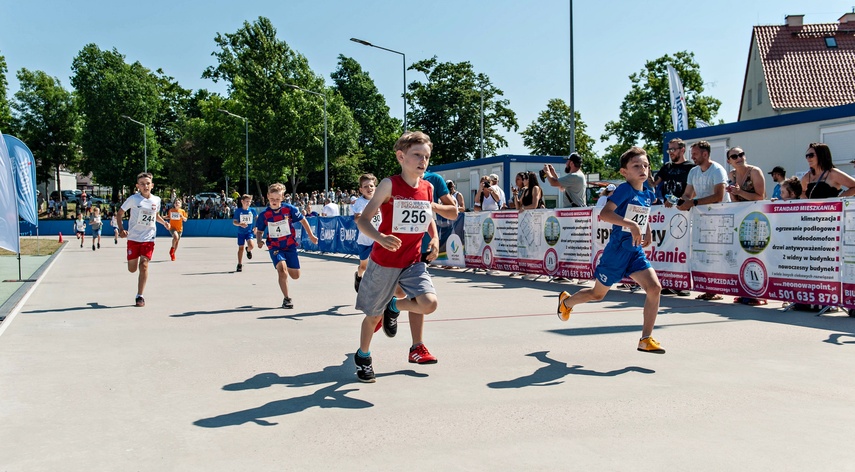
(748, 99)
(759, 93)
(830, 42)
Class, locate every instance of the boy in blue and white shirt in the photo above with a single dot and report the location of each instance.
(628, 209)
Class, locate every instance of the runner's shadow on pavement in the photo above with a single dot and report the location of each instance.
(334, 311)
(89, 306)
(834, 338)
(554, 371)
(240, 309)
(331, 396)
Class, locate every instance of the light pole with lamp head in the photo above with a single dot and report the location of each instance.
(404, 57)
(145, 141)
(246, 131)
(326, 158)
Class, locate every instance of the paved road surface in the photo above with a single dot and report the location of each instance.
(212, 375)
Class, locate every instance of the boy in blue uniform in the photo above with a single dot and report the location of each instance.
(278, 219)
(628, 209)
(244, 219)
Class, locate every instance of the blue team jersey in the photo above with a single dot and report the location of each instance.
(279, 225)
(252, 219)
(624, 196)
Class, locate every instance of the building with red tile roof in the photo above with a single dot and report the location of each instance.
(796, 67)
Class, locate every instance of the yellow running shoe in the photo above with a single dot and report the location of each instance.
(563, 311)
(649, 344)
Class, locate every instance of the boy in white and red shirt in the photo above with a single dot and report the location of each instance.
(145, 214)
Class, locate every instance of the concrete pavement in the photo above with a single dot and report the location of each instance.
(212, 375)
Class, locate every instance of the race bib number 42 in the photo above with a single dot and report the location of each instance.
(639, 214)
(411, 216)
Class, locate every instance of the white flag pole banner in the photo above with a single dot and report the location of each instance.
(679, 110)
(669, 252)
(786, 251)
(9, 237)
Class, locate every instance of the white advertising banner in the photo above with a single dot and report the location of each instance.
(569, 235)
(491, 240)
(781, 250)
(532, 240)
(669, 252)
(847, 276)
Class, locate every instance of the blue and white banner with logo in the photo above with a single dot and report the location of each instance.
(24, 168)
(679, 111)
(9, 237)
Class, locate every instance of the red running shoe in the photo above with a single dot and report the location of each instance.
(420, 355)
(172, 253)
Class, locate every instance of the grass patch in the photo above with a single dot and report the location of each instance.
(30, 246)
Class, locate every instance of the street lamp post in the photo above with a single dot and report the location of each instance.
(404, 58)
(145, 141)
(246, 135)
(326, 158)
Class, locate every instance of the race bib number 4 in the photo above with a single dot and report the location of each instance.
(278, 229)
(639, 214)
(146, 217)
(411, 216)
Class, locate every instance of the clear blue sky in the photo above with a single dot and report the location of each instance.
(522, 46)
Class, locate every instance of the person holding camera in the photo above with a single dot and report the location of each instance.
(488, 196)
(573, 185)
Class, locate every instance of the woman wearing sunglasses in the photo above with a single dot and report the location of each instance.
(747, 182)
(824, 180)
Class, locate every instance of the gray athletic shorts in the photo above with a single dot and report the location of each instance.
(378, 285)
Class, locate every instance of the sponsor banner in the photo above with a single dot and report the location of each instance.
(669, 251)
(533, 246)
(569, 235)
(452, 238)
(9, 237)
(346, 232)
(847, 275)
(679, 112)
(491, 240)
(779, 250)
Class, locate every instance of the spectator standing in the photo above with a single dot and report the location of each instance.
(747, 183)
(706, 184)
(671, 178)
(778, 175)
(456, 196)
(531, 194)
(573, 184)
(824, 180)
(330, 208)
(487, 197)
(604, 195)
(791, 189)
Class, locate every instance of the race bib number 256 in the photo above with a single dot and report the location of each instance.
(411, 216)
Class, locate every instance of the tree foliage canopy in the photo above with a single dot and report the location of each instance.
(378, 131)
(448, 108)
(645, 114)
(47, 119)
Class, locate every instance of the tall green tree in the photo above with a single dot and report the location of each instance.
(47, 120)
(645, 114)
(286, 125)
(107, 88)
(378, 131)
(5, 110)
(448, 108)
(549, 135)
